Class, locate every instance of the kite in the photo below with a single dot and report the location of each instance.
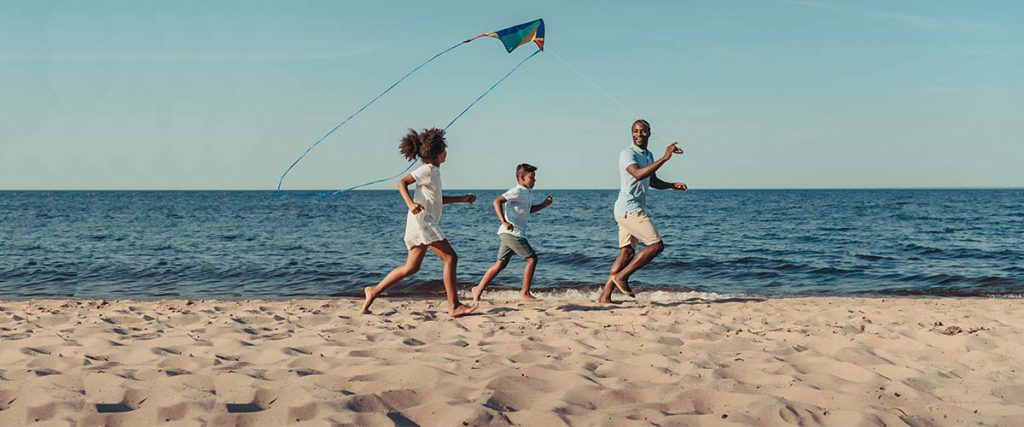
(511, 38)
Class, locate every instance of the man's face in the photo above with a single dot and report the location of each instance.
(528, 179)
(641, 134)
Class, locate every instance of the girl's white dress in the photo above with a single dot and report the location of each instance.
(422, 229)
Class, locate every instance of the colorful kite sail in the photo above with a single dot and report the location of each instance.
(511, 37)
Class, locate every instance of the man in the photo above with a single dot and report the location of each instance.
(637, 169)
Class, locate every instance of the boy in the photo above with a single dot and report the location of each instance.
(513, 208)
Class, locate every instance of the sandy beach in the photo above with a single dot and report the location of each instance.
(799, 361)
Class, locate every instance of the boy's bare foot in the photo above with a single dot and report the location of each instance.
(622, 285)
(461, 310)
(528, 297)
(368, 291)
(477, 291)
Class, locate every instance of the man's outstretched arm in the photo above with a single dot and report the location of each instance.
(646, 171)
(658, 184)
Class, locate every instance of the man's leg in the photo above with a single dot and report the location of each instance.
(623, 259)
(642, 258)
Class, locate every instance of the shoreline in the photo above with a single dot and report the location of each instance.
(811, 360)
(508, 294)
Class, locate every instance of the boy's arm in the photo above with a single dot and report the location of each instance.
(403, 189)
(498, 202)
(547, 202)
(469, 198)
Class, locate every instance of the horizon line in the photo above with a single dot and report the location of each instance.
(2, 190)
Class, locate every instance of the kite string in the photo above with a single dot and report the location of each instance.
(591, 82)
(360, 110)
(632, 113)
(509, 73)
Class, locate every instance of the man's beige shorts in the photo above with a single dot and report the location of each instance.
(636, 227)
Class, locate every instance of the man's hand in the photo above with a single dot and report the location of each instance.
(679, 186)
(416, 208)
(672, 149)
(549, 200)
(508, 226)
(469, 198)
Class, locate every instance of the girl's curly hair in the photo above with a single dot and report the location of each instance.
(426, 145)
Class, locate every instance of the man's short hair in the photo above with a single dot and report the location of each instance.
(523, 169)
(642, 121)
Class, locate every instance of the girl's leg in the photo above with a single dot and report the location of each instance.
(444, 250)
(531, 265)
(411, 266)
(488, 276)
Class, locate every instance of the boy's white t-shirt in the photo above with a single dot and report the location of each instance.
(519, 201)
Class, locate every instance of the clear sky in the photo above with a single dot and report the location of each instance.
(762, 94)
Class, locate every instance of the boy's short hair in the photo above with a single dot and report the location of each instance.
(523, 169)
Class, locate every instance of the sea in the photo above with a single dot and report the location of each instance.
(759, 243)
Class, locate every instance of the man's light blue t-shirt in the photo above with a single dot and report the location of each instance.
(632, 192)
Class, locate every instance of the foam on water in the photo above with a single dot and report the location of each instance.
(590, 295)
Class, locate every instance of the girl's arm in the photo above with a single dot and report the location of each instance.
(469, 198)
(501, 212)
(403, 189)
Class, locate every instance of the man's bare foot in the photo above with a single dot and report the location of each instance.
(461, 310)
(528, 297)
(477, 291)
(605, 301)
(368, 291)
(622, 285)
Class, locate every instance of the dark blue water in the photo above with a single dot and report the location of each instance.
(763, 242)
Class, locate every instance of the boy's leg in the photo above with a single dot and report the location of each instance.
(625, 256)
(531, 265)
(447, 254)
(491, 273)
(411, 266)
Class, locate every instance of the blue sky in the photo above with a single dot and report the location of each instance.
(761, 94)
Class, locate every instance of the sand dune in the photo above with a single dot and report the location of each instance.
(801, 361)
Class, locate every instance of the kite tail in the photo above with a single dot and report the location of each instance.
(509, 73)
(360, 110)
(331, 193)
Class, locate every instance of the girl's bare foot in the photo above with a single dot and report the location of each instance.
(477, 291)
(461, 310)
(528, 297)
(368, 291)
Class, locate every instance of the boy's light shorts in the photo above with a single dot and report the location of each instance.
(510, 244)
(636, 227)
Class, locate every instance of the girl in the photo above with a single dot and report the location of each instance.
(421, 230)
